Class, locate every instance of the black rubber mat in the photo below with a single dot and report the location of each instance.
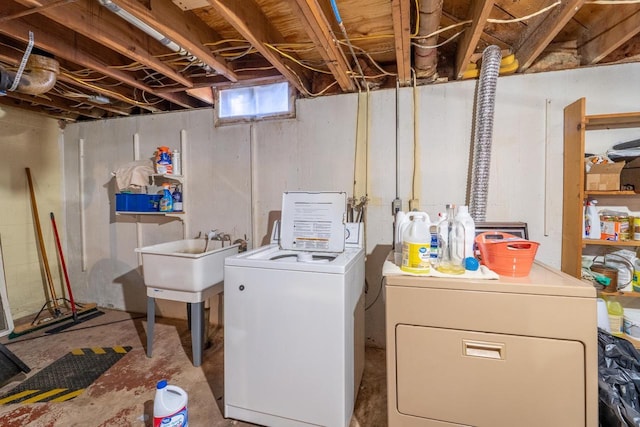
(67, 377)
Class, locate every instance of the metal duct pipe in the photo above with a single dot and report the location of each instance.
(426, 58)
(485, 102)
(40, 76)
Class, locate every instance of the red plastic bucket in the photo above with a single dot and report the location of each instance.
(506, 254)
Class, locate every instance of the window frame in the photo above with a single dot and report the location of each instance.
(222, 121)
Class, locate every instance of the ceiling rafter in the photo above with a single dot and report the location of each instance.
(609, 38)
(58, 102)
(68, 51)
(16, 103)
(478, 14)
(249, 20)
(183, 28)
(320, 32)
(89, 18)
(542, 30)
(401, 11)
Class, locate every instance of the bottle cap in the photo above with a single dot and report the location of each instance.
(471, 264)
(161, 384)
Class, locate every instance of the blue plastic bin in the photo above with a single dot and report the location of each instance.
(129, 202)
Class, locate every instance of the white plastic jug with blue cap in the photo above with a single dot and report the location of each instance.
(170, 406)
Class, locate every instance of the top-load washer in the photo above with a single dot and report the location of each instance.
(294, 319)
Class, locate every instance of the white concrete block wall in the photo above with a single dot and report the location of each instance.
(237, 173)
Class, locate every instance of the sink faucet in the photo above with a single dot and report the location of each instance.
(213, 234)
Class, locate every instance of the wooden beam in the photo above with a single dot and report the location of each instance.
(320, 32)
(615, 28)
(401, 13)
(247, 18)
(54, 101)
(68, 51)
(94, 21)
(542, 30)
(478, 14)
(16, 103)
(183, 28)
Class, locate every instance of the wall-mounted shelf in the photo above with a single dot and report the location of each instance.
(173, 213)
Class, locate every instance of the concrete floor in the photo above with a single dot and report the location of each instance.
(123, 396)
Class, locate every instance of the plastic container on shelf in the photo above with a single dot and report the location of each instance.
(177, 199)
(635, 282)
(166, 201)
(176, 162)
(163, 161)
(170, 406)
(592, 221)
(616, 317)
(416, 242)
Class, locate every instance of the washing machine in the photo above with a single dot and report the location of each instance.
(294, 319)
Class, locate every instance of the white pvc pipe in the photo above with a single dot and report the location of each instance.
(83, 232)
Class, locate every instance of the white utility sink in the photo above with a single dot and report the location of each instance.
(182, 265)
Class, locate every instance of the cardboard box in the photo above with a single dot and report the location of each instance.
(630, 174)
(603, 177)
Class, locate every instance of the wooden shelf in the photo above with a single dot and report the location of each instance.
(610, 193)
(612, 121)
(630, 294)
(610, 242)
(150, 213)
(634, 341)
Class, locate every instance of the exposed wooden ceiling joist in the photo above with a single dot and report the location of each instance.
(322, 35)
(609, 38)
(89, 18)
(478, 14)
(182, 28)
(542, 30)
(402, 30)
(249, 20)
(227, 43)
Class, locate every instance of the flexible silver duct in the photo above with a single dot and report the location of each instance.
(485, 101)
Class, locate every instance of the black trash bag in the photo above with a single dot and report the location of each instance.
(618, 381)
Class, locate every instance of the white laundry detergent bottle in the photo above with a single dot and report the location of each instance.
(592, 227)
(465, 232)
(170, 406)
(416, 243)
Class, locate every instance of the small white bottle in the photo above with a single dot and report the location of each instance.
(465, 233)
(176, 161)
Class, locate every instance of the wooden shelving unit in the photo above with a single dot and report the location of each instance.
(576, 123)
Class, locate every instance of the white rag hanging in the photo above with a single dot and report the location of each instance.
(134, 175)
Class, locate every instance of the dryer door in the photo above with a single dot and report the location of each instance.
(484, 379)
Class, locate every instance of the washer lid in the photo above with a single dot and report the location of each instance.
(313, 221)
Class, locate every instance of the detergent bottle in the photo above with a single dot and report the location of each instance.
(592, 218)
(616, 316)
(465, 233)
(166, 201)
(416, 241)
(170, 406)
(401, 221)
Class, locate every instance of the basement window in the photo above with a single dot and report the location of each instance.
(251, 103)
